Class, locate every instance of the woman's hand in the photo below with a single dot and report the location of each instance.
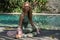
(19, 33)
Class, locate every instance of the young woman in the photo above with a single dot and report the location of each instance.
(26, 13)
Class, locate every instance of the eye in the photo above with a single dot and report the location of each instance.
(26, 6)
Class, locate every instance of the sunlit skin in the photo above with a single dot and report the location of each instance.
(26, 10)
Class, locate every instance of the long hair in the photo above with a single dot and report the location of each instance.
(29, 11)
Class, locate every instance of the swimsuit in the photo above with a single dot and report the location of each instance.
(25, 18)
(25, 21)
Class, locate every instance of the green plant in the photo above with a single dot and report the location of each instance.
(16, 5)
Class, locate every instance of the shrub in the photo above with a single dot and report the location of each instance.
(16, 5)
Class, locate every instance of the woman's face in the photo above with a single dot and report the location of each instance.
(27, 7)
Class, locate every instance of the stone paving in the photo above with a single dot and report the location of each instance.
(34, 38)
(44, 35)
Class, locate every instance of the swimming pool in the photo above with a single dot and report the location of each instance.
(43, 21)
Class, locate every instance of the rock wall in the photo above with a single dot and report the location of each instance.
(53, 6)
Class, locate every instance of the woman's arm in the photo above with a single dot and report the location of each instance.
(21, 20)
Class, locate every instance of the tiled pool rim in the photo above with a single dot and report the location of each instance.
(34, 13)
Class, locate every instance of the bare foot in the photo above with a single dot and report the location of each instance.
(19, 33)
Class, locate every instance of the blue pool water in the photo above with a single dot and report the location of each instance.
(9, 19)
